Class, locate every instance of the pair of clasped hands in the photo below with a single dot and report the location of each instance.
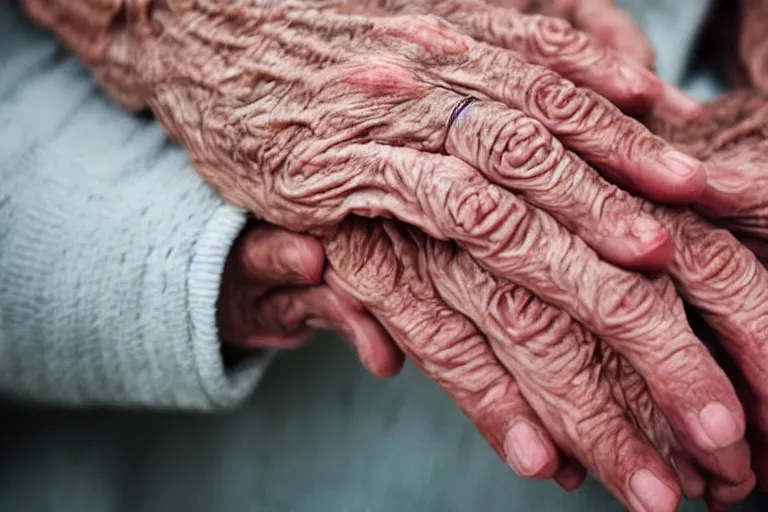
(474, 192)
(519, 274)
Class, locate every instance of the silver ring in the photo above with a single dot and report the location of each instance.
(459, 108)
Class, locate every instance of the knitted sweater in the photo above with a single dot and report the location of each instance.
(111, 246)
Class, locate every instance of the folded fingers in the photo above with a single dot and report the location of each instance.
(288, 313)
(376, 266)
(578, 409)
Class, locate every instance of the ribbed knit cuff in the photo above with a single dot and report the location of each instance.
(223, 386)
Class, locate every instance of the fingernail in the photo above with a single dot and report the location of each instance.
(681, 164)
(295, 261)
(524, 449)
(726, 180)
(646, 230)
(715, 427)
(649, 494)
(681, 102)
(640, 81)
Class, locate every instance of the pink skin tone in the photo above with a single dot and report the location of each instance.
(601, 19)
(272, 296)
(539, 387)
(732, 135)
(309, 113)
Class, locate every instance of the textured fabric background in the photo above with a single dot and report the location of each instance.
(319, 435)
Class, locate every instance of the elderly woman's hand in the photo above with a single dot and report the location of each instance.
(272, 296)
(304, 112)
(732, 136)
(601, 19)
(533, 380)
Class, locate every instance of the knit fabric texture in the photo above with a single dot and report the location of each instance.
(111, 246)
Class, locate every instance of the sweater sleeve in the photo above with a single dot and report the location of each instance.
(111, 247)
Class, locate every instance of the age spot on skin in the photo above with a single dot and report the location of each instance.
(382, 78)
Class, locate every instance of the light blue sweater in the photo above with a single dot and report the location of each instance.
(111, 246)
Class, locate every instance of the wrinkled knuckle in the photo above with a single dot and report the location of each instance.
(473, 209)
(597, 427)
(527, 150)
(623, 300)
(608, 441)
(363, 255)
(527, 321)
(453, 352)
(491, 388)
(713, 256)
(635, 140)
(553, 37)
(470, 208)
(614, 206)
(569, 109)
(679, 363)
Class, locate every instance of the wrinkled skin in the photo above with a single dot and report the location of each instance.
(733, 136)
(712, 271)
(528, 363)
(272, 296)
(601, 19)
(307, 113)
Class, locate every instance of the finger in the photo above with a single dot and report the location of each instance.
(555, 44)
(585, 123)
(727, 138)
(615, 28)
(724, 496)
(320, 307)
(443, 344)
(736, 191)
(601, 19)
(271, 255)
(617, 68)
(729, 287)
(522, 156)
(723, 462)
(756, 435)
(449, 200)
(555, 363)
(571, 474)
